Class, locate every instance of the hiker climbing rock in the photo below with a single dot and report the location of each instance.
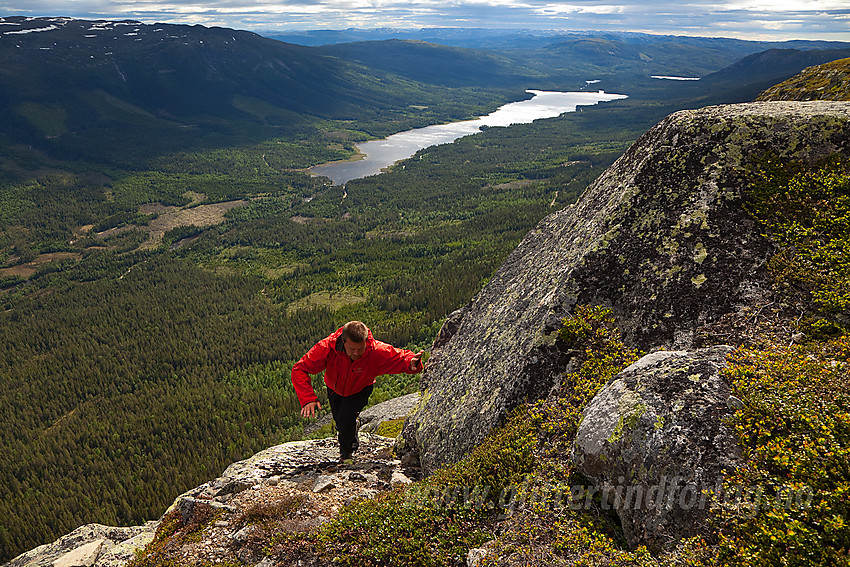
(351, 359)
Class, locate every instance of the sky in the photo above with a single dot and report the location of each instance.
(745, 19)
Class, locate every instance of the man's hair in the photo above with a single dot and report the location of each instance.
(355, 331)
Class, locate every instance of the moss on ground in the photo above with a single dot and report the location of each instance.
(390, 428)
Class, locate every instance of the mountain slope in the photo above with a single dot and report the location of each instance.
(133, 372)
(662, 235)
(436, 64)
(830, 81)
(746, 78)
(79, 88)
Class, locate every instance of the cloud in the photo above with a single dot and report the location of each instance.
(572, 9)
(784, 6)
(777, 19)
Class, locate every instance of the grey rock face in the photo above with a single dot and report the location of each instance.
(660, 237)
(652, 440)
(295, 461)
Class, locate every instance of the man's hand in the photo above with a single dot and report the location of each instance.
(416, 361)
(309, 410)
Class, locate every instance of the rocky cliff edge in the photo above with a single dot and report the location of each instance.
(305, 473)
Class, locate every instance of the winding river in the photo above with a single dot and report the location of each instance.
(380, 154)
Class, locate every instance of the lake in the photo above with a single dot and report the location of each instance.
(380, 154)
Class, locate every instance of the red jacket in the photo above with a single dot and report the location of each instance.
(342, 375)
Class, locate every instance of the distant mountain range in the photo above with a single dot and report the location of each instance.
(83, 88)
(484, 38)
(745, 79)
(557, 55)
(121, 92)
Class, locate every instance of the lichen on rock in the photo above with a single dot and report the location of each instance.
(661, 238)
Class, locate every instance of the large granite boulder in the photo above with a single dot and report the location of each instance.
(654, 443)
(661, 237)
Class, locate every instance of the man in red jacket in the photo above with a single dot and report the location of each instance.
(351, 359)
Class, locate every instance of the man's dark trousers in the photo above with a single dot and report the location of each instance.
(345, 410)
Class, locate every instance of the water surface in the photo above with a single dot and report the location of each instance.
(383, 153)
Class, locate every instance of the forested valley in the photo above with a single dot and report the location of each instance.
(151, 307)
(134, 373)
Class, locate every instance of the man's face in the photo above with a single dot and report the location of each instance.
(354, 350)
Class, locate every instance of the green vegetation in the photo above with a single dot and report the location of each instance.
(795, 430)
(807, 212)
(389, 531)
(795, 422)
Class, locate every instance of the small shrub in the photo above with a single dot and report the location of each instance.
(171, 535)
(807, 213)
(155, 553)
(819, 329)
(589, 328)
(795, 431)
